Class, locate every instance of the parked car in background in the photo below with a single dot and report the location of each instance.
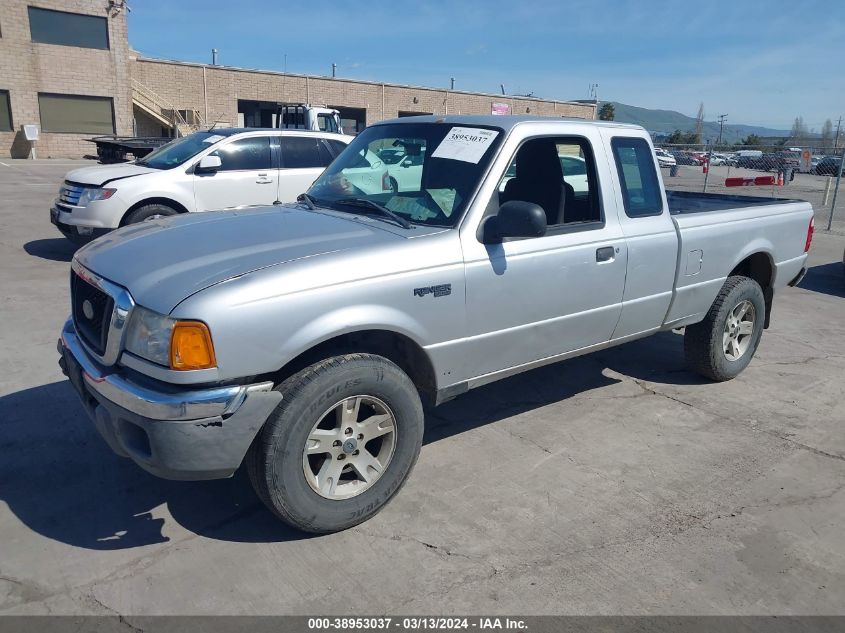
(366, 172)
(685, 158)
(828, 166)
(719, 159)
(302, 340)
(407, 173)
(391, 155)
(209, 170)
(748, 157)
(664, 158)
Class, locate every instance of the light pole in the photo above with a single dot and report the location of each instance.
(722, 118)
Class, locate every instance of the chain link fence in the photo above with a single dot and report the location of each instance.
(802, 173)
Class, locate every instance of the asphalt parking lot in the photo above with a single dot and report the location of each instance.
(616, 483)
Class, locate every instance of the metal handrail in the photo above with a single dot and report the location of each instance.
(143, 93)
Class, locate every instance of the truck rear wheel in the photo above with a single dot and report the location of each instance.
(341, 443)
(722, 345)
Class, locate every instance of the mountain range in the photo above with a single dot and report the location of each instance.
(667, 121)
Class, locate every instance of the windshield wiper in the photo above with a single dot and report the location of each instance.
(375, 206)
(309, 202)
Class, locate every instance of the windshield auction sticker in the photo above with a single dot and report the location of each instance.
(465, 143)
(213, 138)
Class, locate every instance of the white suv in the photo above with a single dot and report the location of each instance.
(210, 170)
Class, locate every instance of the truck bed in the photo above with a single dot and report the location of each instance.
(694, 202)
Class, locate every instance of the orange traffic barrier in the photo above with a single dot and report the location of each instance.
(759, 181)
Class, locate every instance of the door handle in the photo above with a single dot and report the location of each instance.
(605, 254)
(265, 182)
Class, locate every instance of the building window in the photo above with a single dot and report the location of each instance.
(68, 29)
(5, 112)
(75, 114)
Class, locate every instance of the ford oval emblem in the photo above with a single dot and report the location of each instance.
(88, 309)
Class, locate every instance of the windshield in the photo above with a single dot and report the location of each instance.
(179, 150)
(440, 167)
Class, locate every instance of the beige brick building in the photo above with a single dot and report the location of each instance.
(66, 66)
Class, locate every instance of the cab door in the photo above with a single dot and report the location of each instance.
(248, 175)
(531, 299)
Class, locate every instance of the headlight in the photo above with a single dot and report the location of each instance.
(149, 335)
(180, 345)
(95, 193)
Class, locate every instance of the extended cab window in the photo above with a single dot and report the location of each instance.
(559, 175)
(246, 154)
(637, 176)
(299, 152)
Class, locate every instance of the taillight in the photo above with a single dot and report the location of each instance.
(385, 182)
(810, 235)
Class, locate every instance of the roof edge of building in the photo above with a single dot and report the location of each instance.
(176, 62)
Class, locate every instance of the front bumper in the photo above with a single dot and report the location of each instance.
(172, 432)
(76, 232)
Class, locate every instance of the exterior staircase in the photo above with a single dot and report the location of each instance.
(181, 121)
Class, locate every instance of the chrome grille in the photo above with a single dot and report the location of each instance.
(69, 193)
(92, 311)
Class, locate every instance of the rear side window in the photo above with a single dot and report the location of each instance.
(246, 154)
(638, 177)
(299, 152)
(336, 146)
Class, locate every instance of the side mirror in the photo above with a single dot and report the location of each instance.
(516, 218)
(407, 162)
(209, 164)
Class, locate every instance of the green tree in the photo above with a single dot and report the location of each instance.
(607, 112)
(751, 139)
(682, 138)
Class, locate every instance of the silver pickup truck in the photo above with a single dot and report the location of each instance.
(301, 340)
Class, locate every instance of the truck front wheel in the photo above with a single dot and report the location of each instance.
(722, 345)
(340, 444)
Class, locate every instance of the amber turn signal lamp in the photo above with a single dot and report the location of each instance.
(191, 346)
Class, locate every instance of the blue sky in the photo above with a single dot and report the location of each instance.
(761, 63)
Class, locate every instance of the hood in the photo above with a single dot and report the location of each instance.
(101, 174)
(162, 262)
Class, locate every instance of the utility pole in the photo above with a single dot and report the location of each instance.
(722, 118)
(334, 70)
(453, 82)
(836, 140)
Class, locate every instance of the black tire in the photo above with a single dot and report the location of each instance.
(275, 459)
(394, 186)
(148, 211)
(703, 344)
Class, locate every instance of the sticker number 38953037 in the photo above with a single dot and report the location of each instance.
(465, 143)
